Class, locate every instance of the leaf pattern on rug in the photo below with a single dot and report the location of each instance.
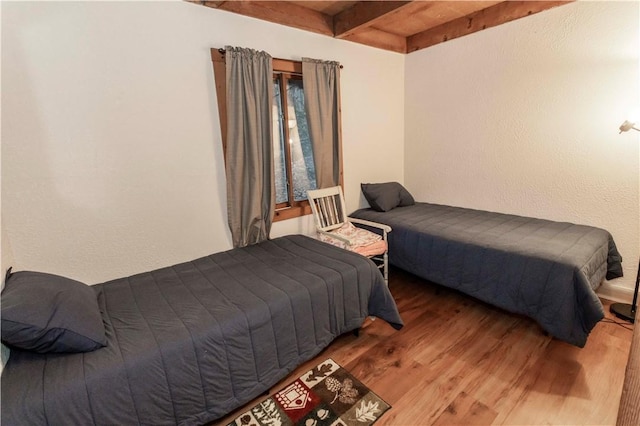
(268, 414)
(353, 403)
(344, 391)
(319, 372)
(367, 411)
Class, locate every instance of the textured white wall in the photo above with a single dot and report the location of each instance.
(111, 155)
(523, 119)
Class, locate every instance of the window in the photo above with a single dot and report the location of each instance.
(293, 155)
(294, 166)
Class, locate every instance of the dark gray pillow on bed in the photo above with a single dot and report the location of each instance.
(386, 196)
(49, 313)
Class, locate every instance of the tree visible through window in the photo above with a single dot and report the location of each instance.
(293, 154)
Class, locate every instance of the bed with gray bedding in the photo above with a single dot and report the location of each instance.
(190, 343)
(545, 270)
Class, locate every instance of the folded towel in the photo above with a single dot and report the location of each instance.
(361, 241)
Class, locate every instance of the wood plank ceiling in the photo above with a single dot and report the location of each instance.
(398, 26)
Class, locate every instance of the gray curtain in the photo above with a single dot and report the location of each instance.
(322, 93)
(249, 162)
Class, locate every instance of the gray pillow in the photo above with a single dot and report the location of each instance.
(49, 313)
(406, 199)
(386, 196)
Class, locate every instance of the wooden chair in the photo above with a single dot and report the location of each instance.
(335, 227)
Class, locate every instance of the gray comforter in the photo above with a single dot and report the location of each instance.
(189, 343)
(543, 269)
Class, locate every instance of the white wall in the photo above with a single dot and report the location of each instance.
(111, 155)
(523, 119)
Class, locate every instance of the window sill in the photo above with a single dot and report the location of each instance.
(291, 212)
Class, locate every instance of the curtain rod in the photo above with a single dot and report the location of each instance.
(223, 51)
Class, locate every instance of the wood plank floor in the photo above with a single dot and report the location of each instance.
(461, 361)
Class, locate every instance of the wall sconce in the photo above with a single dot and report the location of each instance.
(627, 125)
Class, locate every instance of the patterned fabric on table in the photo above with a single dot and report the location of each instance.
(361, 241)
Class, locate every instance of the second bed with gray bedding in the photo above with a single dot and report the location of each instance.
(189, 343)
(543, 269)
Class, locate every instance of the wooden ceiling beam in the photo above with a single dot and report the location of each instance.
(377, 38)
(364, 14)
(490, 17)
(279, 12)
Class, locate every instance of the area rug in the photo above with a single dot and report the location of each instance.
(325, 395)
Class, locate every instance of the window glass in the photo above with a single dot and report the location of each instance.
(302, 166)
(294, 168)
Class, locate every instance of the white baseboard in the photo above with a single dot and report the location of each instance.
(615, 293)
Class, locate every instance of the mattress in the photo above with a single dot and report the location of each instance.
(189, 343)
(543, 269)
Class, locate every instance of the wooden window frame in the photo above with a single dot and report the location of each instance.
(282, 68)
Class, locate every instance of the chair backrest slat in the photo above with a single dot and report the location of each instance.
(327, 206)
(331, 210)
(326, 216)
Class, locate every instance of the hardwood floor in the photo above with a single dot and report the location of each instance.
(461, 361)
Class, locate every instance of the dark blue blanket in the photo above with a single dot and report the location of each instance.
(539, 268)
(189, 343)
